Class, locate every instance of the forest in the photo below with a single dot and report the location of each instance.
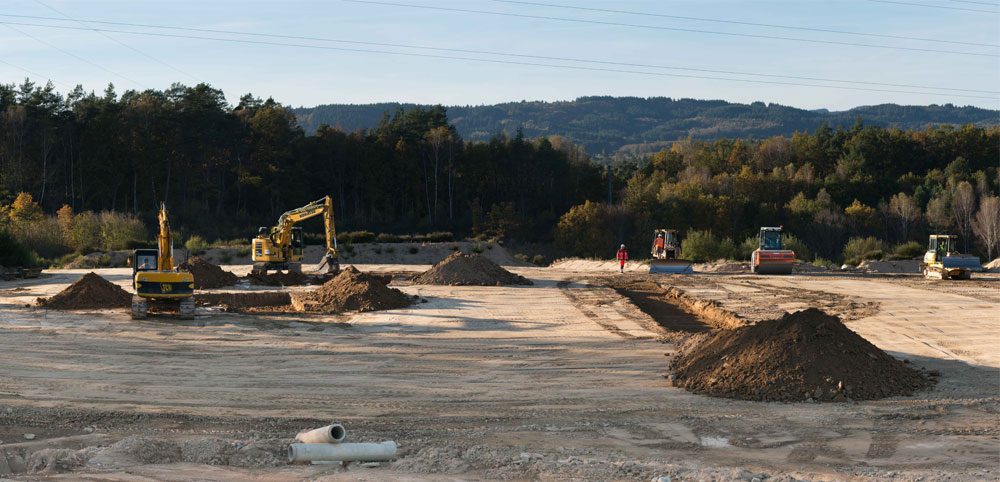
(85, 171)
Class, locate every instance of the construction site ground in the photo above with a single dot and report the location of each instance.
(562, 380)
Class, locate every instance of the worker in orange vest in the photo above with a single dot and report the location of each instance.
(659, 244)
(622, 257)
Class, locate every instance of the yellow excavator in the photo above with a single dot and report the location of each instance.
(281, 247)
(941, 262)
(156, 281)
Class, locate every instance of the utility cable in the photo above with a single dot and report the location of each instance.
(506, 54)
(123, 44)
(735, 22)
(654, 27)
(536, 64)
(934, 6)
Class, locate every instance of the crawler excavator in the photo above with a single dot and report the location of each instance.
(156, 281)
(281, 247)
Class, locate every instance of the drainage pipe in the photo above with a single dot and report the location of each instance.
(331, 434)
(349, 452)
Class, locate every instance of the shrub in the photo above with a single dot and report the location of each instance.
(387, 238)
(857, 249)
(539, 260)
(453, 247)
(390, 249)
(378, 250)
(243, 251)
(801, 250)
(85, 232)
(583, 231)
(910, 250)
(119, 230)
(703, 246)
(745, 250)
(522, 257)
(821, 262)
(226, 258)
(414, 249)
(14, 253)
(359, 237)
(489, 245)
(43, 235)
(349, 248)
(196, 245)
(104, 260)
(439, 237)
(477, 248)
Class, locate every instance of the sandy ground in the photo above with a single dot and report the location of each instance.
(558, 381)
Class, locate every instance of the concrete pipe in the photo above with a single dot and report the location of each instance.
(331, 434)
(349, 452)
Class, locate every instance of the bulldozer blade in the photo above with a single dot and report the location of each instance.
(962, 261)
(670, 266)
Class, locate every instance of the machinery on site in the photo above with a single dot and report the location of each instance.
(156, 281)
(281, 247)
(942, 262)
(666, 253)
(771, 257)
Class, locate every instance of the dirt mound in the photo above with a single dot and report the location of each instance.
(352, 290)
(207, 275)
(460, 269)
(89, 292)
(723, 266)
(992, 266)
(800, 356)
(290, 278)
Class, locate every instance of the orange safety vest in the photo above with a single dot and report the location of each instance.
(659, 242)
(622, 255)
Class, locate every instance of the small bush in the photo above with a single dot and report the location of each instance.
(387, 238)
(522, 257)
(196, 245)
(794, 244)
(453, 247)
(243, 251)
(119, 230)
(390, 249)
(104, 260)
(703, 246)
(910, 250)
(226, 258)
(821, 262)
(13, 253)
(439, 237)
(874, 255)
(489, 246)
(477, 248)
(378, 250)
(857, 248)
(349, 248)
(358, 237)
(414, 249)
(539, 260)
(745, 250)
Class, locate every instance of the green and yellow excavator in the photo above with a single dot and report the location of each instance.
(156, 281)
(281, 247)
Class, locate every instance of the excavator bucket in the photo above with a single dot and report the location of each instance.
(670, 266)
(328, 265)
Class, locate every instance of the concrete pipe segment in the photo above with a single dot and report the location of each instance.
(349, 452)
(331, 434)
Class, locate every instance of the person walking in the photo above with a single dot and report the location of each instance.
(622, 257)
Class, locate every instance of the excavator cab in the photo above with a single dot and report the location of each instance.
(297, 244)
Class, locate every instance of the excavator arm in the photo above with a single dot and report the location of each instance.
(165, 242)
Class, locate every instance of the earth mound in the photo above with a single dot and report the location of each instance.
(460, 269)
(352, 290)
(89, 292)
(800, 356)
(207, 275)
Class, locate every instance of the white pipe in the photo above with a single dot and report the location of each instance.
(331, 434)
(349, 452)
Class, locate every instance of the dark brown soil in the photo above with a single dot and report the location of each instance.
(800, 356)
(460, 269)
(207, 275)
(286, 279)
(352, 290)
(89, 292)
(240, 301)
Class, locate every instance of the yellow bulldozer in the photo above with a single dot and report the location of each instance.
(942, 260)
(281, 247)
(666, 253)
(156, 281)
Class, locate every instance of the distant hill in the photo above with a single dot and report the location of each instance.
(639, 125)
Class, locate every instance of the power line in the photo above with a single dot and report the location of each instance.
(495, 53)
(2, 61)
(71, 54)
(511, 62)
(933, 6)
(980, 3)
(734, 22)
(123, 44)
(652, 27)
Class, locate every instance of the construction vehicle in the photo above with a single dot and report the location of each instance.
(281, 247)
(666, 252)
(771, 257)
(157, 283)
(941, 262)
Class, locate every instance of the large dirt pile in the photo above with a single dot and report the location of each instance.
(800, 356)
(461, 269)
(207, 275)
(352, 290)
(89, 292)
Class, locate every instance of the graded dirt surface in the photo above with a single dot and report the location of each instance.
(563, 380)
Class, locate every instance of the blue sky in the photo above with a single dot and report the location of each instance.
(308, 76)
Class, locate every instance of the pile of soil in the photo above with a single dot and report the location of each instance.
(290, 278)
(207, 275)
(800, 356)
(460, 269)
(89, 292)
(352, 290)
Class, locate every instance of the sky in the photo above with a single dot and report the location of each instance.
(952, 45)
